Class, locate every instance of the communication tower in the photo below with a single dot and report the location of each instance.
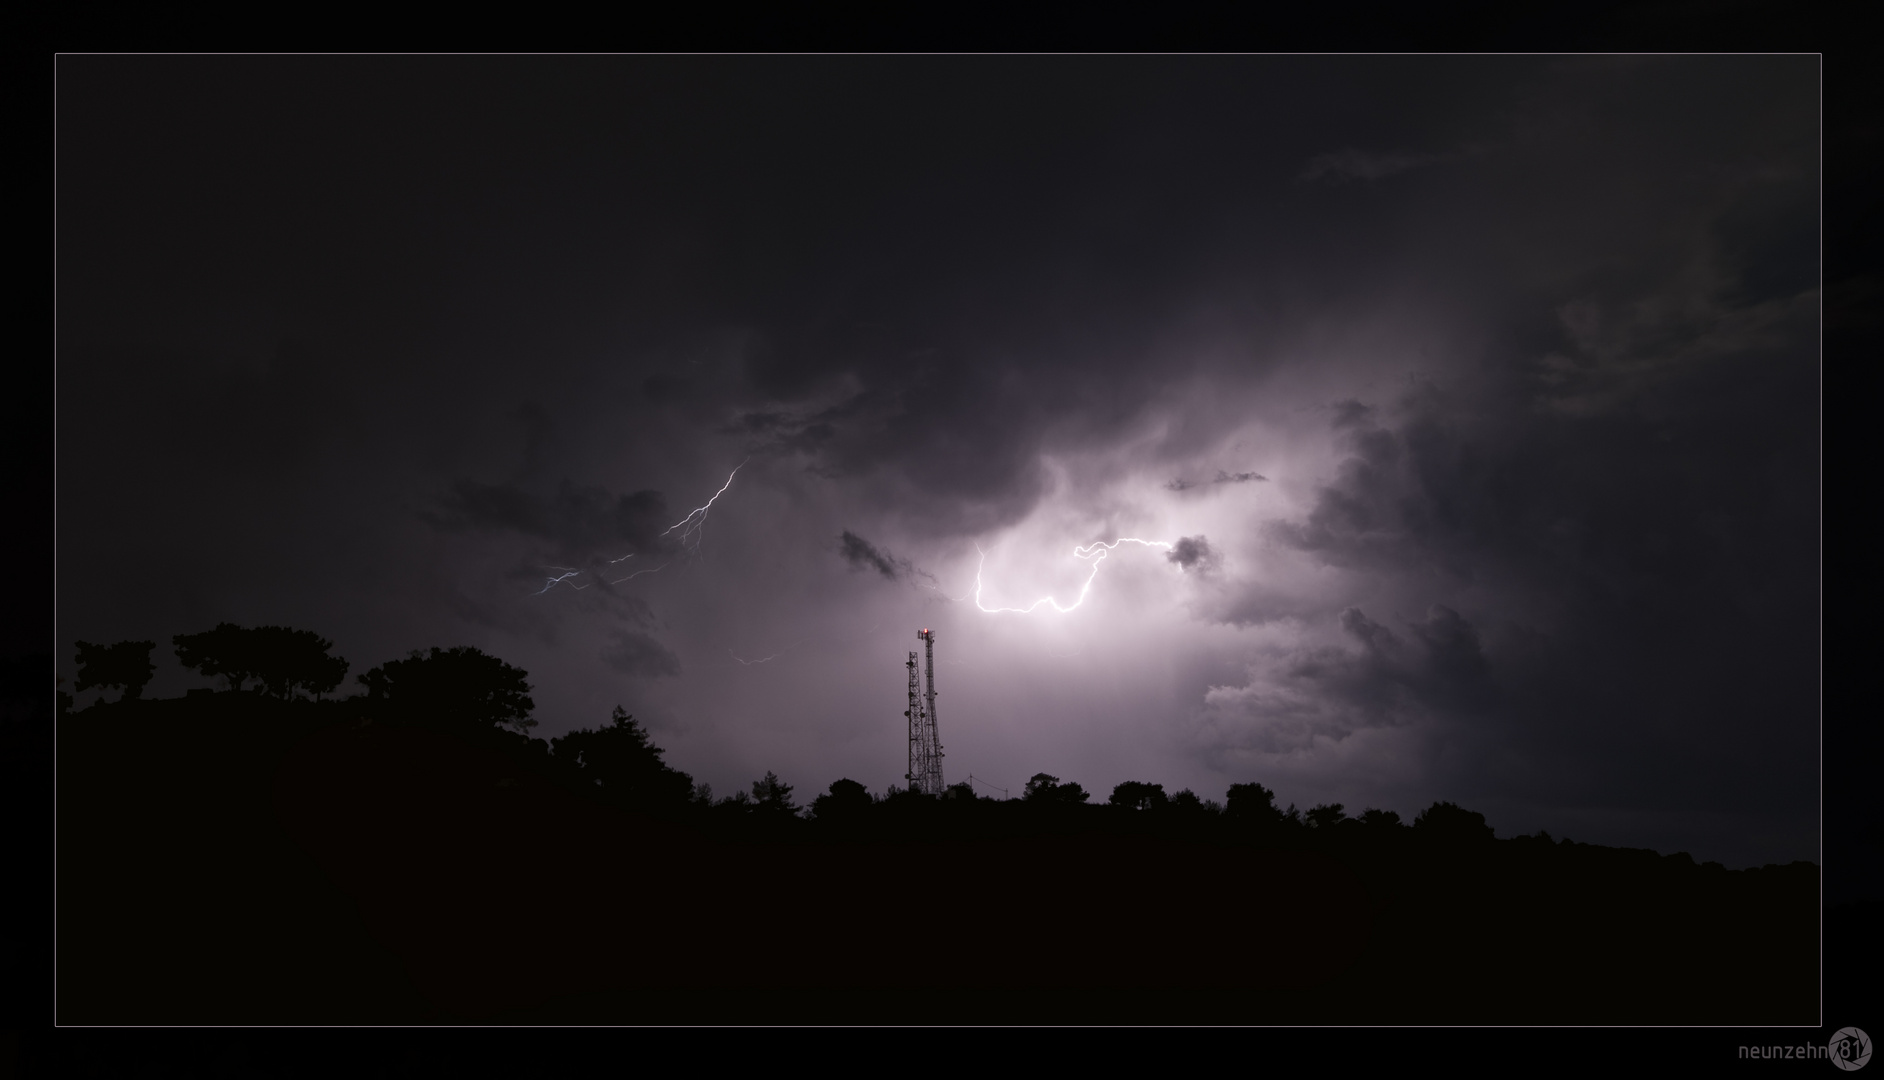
(917, 717)
(925, 747)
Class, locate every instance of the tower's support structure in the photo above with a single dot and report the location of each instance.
(925, 747)
(917, 717)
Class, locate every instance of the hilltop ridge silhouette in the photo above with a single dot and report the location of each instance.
(268, 854)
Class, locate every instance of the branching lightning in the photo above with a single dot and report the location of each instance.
(690, 535)
(1090, 553)
(566, 574)
(691, 526)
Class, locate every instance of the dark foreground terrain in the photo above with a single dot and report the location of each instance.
(233, 859)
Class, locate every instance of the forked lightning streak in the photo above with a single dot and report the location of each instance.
(690, 534)
(1091, 553)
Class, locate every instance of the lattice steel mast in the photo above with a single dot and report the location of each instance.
(916, 723)
(925, 746)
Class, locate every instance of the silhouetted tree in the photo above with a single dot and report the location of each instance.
(622, 761)
(226, 652)
(846, 800)
(1042, 788)
(1135, 795)
(1327, 815)
(1190, 807)
(1252, 804)
(772, 796)
(734, 811)
(902, 799)
(288, 661)
(282, 659)
(1379, 819)
(458, 687)
(1451, 822)
(125, 666)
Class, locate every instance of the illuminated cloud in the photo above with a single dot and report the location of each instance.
(1508, 459)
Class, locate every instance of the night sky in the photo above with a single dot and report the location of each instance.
(1472, 406)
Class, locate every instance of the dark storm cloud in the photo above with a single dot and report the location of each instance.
(1638, 550)
(861, 554)
(1454, 656)
(593, 541)
(524, 599)
(639, 654)
(1349, 165)
(1368, 513)
(1619, 485)
(966, 440)
(1351, 413)
(539, 435)
(1377, 639)
(581, 523)
(1222, 477)
(1389, 679)
(1194, 553)
(1330, 692)
(1369, 687)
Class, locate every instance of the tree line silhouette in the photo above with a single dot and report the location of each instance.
(286, 663)
(470, 694)
(440, 745)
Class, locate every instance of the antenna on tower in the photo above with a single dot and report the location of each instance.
(925, 747)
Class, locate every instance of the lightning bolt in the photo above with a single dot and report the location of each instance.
(559, 579)
(1090, 553)
(749, 663)
(638, 573)
(690, 526)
